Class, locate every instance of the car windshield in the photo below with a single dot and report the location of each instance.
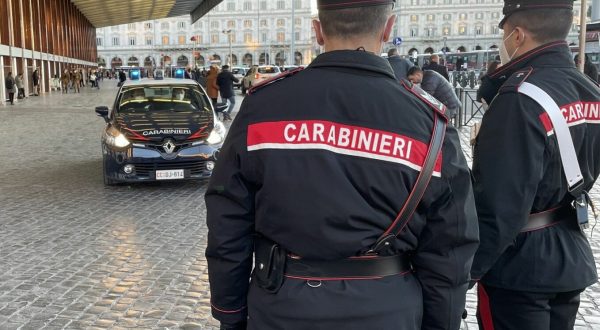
(268, 69)
(238, 71)
(162, 98)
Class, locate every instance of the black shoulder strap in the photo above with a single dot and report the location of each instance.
(409, 207)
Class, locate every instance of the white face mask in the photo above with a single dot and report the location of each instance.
(504, 57)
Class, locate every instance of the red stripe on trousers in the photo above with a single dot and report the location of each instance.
(483, 305)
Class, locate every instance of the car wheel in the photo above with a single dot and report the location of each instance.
(107, 181)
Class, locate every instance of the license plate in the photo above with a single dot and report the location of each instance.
(169, 174)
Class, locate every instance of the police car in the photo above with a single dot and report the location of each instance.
(160, 130)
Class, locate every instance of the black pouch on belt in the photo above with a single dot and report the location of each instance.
(581, 206)
(269, 264)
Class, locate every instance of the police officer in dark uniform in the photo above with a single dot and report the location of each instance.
(317, 165)
(534, 259)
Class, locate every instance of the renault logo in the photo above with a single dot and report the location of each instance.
(169, 146)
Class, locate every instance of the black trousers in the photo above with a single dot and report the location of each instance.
(11, 97)
(499, 309)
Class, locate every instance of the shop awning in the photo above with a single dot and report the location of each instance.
(116, 12)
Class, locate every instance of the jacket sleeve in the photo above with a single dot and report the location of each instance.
(507, 169)
(230, 220)
(448, 242)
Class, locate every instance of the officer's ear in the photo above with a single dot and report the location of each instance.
(318, 32)
(387, 32)
(521, 35)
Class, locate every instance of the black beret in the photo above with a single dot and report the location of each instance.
(513, 6)
(342, 4)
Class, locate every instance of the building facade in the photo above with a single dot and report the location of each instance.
(236, 32)
(429, 26)
(50, 35)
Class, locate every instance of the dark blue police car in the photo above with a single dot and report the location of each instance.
(160, 130)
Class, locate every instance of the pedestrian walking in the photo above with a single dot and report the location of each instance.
(225, 81)
(65, 79)
(76, 81)
(93, 79)
(35, 76)
(589, 68)
(212, 89)
(436, 85)
(535, 158)
(315, 181)
(399, 64)
(10, 85)
(20, 86)
(434, 65)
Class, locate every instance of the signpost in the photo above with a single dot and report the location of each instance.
(397, 41)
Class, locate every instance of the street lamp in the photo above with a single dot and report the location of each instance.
(228, 33)
(445, 49)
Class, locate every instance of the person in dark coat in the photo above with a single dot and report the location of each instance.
(225, 81)
(534, 260)
(36, 82)
(436, 85)
(10, 85)
(434, 65)
(589, 68)
(399, 64)
(319, 162)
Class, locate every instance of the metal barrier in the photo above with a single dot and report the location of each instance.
(471, 108)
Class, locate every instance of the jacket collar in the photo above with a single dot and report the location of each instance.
(354, 59)
(554, 54)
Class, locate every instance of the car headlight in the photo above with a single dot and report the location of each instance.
(114, 138)
(218, 133)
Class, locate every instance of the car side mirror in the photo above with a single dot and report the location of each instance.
(102, 111)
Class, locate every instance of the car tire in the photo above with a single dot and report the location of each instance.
(107, 181)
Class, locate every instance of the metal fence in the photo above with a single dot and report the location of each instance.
(471, 109)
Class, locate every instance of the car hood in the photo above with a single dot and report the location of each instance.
(156, 127)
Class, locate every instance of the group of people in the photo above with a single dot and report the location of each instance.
(16, 84)
(220, 82)
(342, 200)
(432, 78)
(72, 80)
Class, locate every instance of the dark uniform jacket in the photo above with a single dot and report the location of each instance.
(517, 171)
(433, 66)
(321, 163)
(225, 81)
(400, 66)
(436, 85)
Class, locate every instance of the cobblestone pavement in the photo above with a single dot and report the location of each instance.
(77, 255)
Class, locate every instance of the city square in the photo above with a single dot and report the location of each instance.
(76, 253)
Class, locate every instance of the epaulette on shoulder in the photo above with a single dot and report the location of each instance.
(433, 103)
(515, 81)
(275, 79)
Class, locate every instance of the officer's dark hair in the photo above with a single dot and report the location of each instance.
(413, 70)
(351, 22)
(545, 25)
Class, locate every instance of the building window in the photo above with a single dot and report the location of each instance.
(164, 25)
(247, 37)
(429, 32)
(280, 4)
(447, 2)
(297, 4)
(181, 39)
(165, 40)
(414, 18)
(297, 21)
(478, 30)
(495, 29)
(131, 26)
(247, 23)
(98, 41)
(430, 18)
(263, 5)
(296, 36)
(479, 16)
(263, 22)
(131, 41)
(280, 36)
(149, 41)
(231, 6)
(263, 37)
(198, 25)
(214, 38)
(147, 25)
(181, 25)
(462, 30)
(431, 2)
(447, 17)
(495, 15)
(414, 2)
(115, 41)
(247, 5)
(231, 24)
(446, 31)
(214, 24)
(414, 32)
(280, 22)
(462, 16)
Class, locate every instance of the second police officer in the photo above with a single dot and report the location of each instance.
(316, 168)
(531, 171)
